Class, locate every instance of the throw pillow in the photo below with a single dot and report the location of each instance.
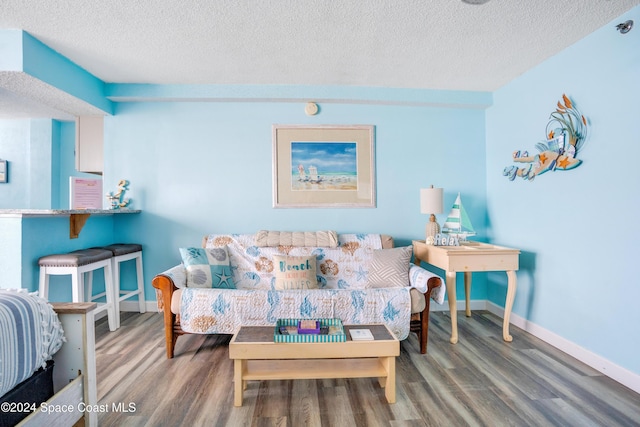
(295, 272)
(207, 268)
(390, 267)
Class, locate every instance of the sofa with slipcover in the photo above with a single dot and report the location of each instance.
(256, 279)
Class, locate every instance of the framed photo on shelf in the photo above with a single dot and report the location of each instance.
(323, 166)
(4, 172)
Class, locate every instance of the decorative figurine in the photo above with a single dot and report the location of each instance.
(117, 200)
(441, 239)
(458, 223)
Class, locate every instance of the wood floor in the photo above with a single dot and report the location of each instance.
(481, 381)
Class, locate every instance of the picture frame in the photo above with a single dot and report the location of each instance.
(323, 166)
(4, 172)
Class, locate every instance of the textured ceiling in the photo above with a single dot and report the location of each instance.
(427, 44)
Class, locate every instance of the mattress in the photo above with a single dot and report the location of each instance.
(30, 334)
(27, 396)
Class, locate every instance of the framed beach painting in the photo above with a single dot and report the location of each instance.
(323, 166)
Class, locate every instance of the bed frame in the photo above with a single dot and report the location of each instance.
(74, 373)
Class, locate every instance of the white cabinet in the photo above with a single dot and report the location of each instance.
(89, 144)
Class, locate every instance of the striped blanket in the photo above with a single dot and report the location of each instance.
(30, 334)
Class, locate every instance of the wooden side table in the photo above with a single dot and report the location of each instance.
(467, 258)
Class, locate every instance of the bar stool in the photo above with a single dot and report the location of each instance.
(76, 264)
(124, 252)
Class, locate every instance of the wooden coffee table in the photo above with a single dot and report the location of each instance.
(257, 357)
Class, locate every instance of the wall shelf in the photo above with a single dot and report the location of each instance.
(77, 217)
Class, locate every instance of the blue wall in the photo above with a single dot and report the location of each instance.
(578, 229)
(29, 146)
(50, 235)
(41, 160)
(205, 167)
(15, 139)
(67, 163)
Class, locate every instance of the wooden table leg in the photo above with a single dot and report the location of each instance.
(238, 383)
(451, 296)
(390, 382)
(511, 294)
(467, 293)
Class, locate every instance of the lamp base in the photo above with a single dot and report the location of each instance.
(431, 230)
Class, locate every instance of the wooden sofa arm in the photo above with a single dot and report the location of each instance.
(421, 326)
(432, 283)
(165, 286)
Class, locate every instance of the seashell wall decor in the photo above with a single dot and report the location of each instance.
(566, 133)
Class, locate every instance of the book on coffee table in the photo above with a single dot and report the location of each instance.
(361, 334)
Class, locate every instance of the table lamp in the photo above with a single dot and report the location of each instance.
(431, 203)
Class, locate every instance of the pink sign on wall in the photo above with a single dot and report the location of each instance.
(85, 193)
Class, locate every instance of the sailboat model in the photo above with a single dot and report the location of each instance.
(458, 222)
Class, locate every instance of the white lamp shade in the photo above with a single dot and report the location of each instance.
(431, 200)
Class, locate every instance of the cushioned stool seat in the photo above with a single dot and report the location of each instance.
(76, 264)
(75, 258)
(124, 252)
(118, 249)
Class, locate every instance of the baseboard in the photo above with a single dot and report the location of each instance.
(599, 363)
(133, 306)
(475, 305)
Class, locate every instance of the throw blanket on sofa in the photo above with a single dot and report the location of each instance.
(30, 334)
(219, 311)
(344, 267)
(343, 275)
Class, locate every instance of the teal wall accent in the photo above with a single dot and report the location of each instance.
(46, 236)
(21, 52)
(44, 63)
(577, 229)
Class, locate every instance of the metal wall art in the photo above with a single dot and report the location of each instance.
(566, 133)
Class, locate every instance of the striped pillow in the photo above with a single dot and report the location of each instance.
(390, 267)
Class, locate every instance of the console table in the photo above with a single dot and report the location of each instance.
(467, 258)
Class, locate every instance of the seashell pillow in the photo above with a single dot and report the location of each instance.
(207, 268)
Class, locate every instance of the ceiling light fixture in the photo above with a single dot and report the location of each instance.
(625, 27)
